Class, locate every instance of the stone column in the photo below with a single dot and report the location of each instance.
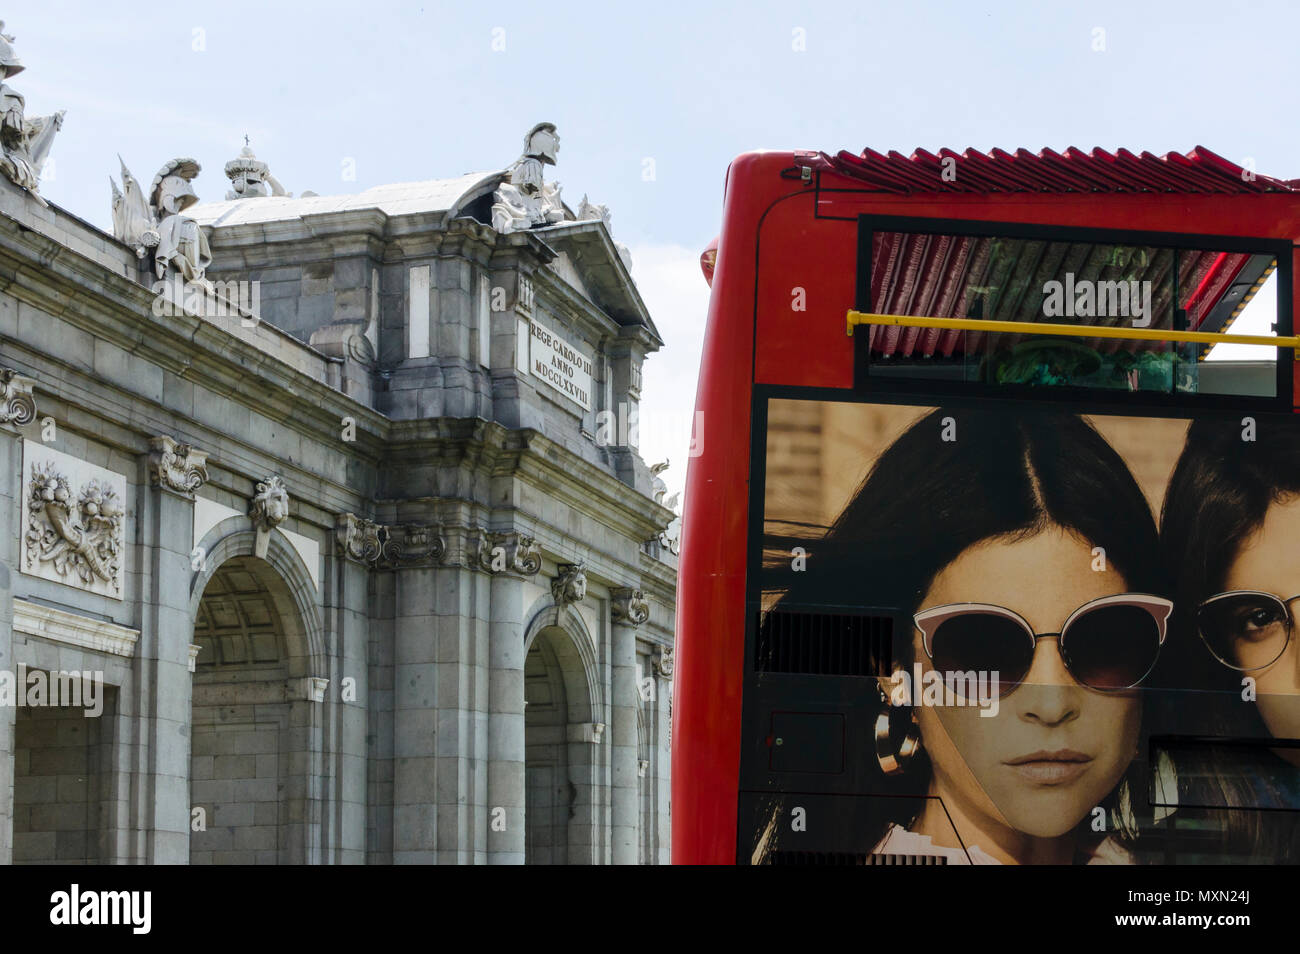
(357, 548)
(628, 609)
(413, 552)
(17, 408)
(508, 557)
(162, 807)
(415, 718)
(661, 767)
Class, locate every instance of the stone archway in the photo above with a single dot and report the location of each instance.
(252, 738)
(560, 762)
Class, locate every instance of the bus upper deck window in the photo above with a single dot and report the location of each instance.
(1061, 281)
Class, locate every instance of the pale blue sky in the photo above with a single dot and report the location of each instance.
(415, 91)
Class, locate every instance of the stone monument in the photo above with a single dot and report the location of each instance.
(24, 143)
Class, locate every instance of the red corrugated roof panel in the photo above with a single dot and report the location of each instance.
(1199, 171)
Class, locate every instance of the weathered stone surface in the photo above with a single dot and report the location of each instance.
(457, 587)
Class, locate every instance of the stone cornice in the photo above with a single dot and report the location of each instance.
(72, 629)
(83, 292)
(528, 455)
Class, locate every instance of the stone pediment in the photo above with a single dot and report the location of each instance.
(591, 251)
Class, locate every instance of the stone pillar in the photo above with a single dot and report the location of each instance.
(414, 552)
(661, 766)
(349, 691)
(415, 718)
(161, 807)
(508, 557)
(17, 408)
(628, 611)
(444, 783)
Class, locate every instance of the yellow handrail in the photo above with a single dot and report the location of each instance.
(856, 318)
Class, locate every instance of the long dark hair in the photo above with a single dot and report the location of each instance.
(1229, 473)
(1012, 472)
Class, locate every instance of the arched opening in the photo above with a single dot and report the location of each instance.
(560, 761)
(250, 752)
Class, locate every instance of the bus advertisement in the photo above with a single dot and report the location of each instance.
(990, 554)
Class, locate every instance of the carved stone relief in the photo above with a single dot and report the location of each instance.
(508, 551)
(570, 586)
(269, 509)
(177, 467)
(73, 521)
(17, 404)
(629, 606)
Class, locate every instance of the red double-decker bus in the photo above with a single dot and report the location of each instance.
(990, 549)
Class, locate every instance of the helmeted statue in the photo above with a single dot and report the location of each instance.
(250, 177)
(24, 143)
(524, 200)
(158, 221)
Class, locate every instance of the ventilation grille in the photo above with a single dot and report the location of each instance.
(817, 858)
(824, 644)
(906, 860)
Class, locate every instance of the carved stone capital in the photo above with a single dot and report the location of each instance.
(359, 539)
(177, 467)
(270, 507)
(313, 688)
(628, 605)
(585, 732)
(570, 584)
(411, 545)
(663, 662)
(18, 404)
(508, 551)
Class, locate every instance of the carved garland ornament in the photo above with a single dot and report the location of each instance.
(84, 538)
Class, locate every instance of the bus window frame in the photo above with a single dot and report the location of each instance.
(1281, 249)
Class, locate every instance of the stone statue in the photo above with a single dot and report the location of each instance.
(157, 221)
(24, 143)
(251, 177)
(524, 200)
(659, 487)
(588, 212)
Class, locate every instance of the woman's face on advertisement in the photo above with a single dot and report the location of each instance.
(1055, 749)
(1269, 560)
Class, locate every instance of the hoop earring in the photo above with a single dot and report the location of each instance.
(891, 762)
